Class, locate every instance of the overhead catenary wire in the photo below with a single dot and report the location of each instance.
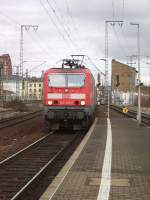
(15, 23)
(127, 47)
(75, 26)
(95, 66)
(127, 42)
(40, 47)
(113, 10)
(123, 10)
(65, 21)
(59, 32)
(122, 48)
(61, 24)
(71, 17)
(37, 66)
(49, 49)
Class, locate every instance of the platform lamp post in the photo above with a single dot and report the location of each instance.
(139, 77)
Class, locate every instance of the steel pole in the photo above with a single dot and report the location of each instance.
(26, 27)
(106, 68)
(21, 62)
(139, 74)
(107, 95)
(139, 77)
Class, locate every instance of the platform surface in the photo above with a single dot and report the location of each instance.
(130, 164)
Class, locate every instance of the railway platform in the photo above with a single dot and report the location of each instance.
(113, 163)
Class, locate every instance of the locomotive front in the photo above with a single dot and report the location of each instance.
(68, 98)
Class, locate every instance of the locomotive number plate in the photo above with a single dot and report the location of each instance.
(66, 96)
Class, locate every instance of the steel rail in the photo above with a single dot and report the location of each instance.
(145, 118)
(18, 116)
(34, 171)
(18, 119)
(24, 149)
(36, 175)
(5, 111)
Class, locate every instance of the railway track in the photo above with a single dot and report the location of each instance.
(5, 113)
(12, 121)
(21, 173)
(131, 113)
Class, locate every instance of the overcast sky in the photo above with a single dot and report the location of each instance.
(74, 27)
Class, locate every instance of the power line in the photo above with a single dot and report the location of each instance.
(123, 9)
(62, 17)
(17, 25)
(11, 20)
(73, 22)
(119, 42)
(53, 22)
(61, 24)
(34, 68)
(113, 10)
(38, 44)
(95, 65)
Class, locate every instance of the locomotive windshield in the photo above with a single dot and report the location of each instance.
(66, 80)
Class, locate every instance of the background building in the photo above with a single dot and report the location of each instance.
(5, 71)
(124, 89)
(28, 89)
(123, 83)
(33, 88)
(7, 66)
(9, 87)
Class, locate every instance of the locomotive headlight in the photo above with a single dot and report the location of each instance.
(50, 102)
(82, 103)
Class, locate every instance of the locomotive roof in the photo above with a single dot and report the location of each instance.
(68, 70)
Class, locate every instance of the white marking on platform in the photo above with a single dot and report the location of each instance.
(106, 170)
(58, 180)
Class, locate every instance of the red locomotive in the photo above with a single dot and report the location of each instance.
(69, 96)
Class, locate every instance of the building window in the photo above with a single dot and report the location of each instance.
(30, 90)
(39, 90)
(34, 90)
(34, 84)
(39, 84)
(30, 85)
